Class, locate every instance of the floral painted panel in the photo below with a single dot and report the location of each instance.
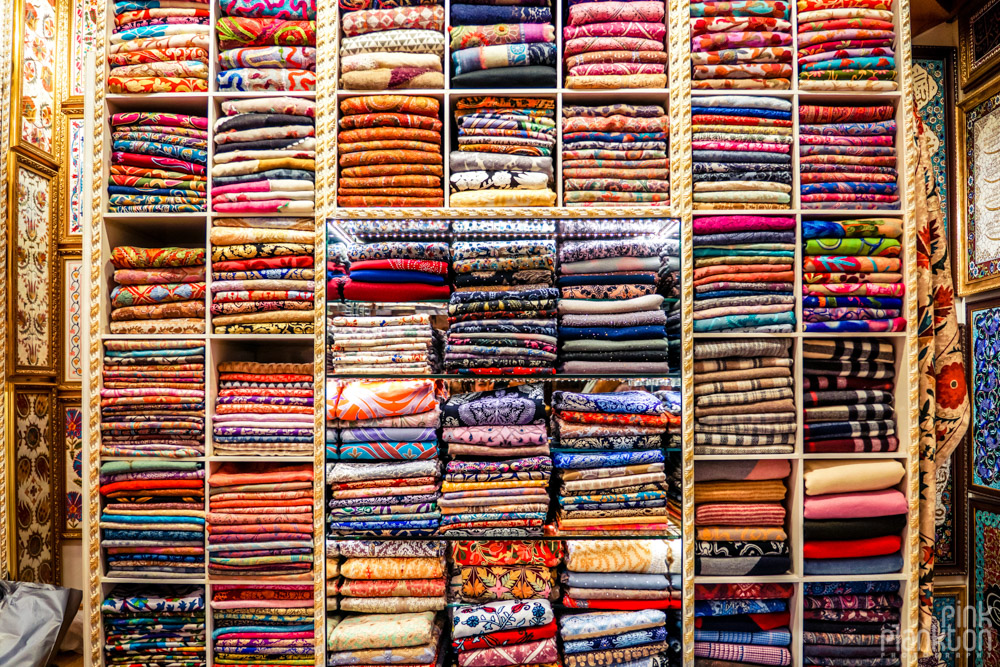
(35, 499)
(33, 240)
(984, 331)
(75, 164)
(84, 26)
(73, 468)
(38, 103)
(72, 326)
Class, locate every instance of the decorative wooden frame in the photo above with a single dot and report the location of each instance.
(6, 459)
(970, 310)
(960, 593)
(71, 186)
(973, 600)
(50, 158)
(970, 70)
(64, 404)
(70, 319)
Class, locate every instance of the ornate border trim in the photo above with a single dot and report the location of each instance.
(6, 460)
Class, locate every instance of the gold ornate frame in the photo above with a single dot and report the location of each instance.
(969, 72)
(7, 33)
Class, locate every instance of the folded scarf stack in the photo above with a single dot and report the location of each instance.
(390, 149)
(506, 495)
(858, 512)
(740, 518)
(158, 290)
(615, 44)
(742, 152)
(266, 46)
(398, 271)
(260, 518)
(502, 315)
(389, 47)
(267, 624)
(411, 640)
(153, 625)
(505, 147)
(616, 154)
(744, 401)
(625, 637)
(848, 398)
(509, 45)
(153, 399)
(159, 49)
(851, 623)
(153, 519)
(402, 345)
(742, 624)
(741, 45)
(505, 633)
(847, 157)
(382, 577)
(263, 409)
(624, 575)
(337, 265)
(846, 45)
(744, 274)
(486, 571)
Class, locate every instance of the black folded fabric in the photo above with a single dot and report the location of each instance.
(813, 625)
(532, 76)
(852, 529)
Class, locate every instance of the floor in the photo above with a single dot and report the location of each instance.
(68, 660)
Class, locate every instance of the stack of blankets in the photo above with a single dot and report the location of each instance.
(505, 148)
(744, 274)
(847, 157)
(742, 152)
(154, 49)
(153, 625)
(505, 633)
(611, 45)
(855, 622)
(409, 640)
(863, 495)
(158, 290)
(153, 399)
(502, 315)
(625, 637)
(617, 153)
(397, 271)
(740, 517)
(392, 577)
(846, 46)
(389, 149)
(744, 401)
(741, 46)
(267, 624)
(260, 521)
(158, 162)
(263, 409)
(383, 499)
(403, 344)
(392, 48)
(848, 397)
(743, 624)
(521, 52)
(153, 519)
(852, 275)
(624, 575)
(266, 46)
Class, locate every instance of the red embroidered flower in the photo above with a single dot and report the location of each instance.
(951, 386)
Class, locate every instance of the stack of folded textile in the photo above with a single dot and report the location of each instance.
(490, 570)
(383, 499)
(743, 624)
(404, 345)
(505, 633)
(392, 48)
(848, 397)
(670, 286)
(505, 148)
(260, 521)
(744, 402)
(337, 265)
(611, 45)
(502, 315)
(158, 163)
(846, 45)
(616, 154)
(263, 409)
(332, 575)
(154, 625)
(852, 622)
(742, 152)
(863, 496)
(398, 271)
(269, 624)
(156, 49)
(410, 640)
(847, 157)
(741, 45)
(153, 399)
(608, 582)
(528, 62)
(858, 259)
(390, 151)
(266, 46)
(744, 274)
(618, 637)
(382, 577)
(153, 519)
(738, 505)
(158, 290)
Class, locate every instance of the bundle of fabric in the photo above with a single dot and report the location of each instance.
(153, 519)
(505, 633)
(612, 44)
(502, 315)
(619, 637)
(740, 517)
(846, 45)
(158, 162)
(851, 622)
(154, 625)
(153, 399)
(159, 49)
(390, 151)
(503, 45)
(848, 398)
(398, 271)
(263, 409)
(743, 624)
(392, 47)
(268, 46)
(852, 275)
(859, 516)
(742, 152)
(624, 575)
(409, 640)
(384, 499)
(741, 45)
(847, 157)
(616, 154)
(505, 145)
(406, 344)
(381, 577)
(744, 274)
(158, 290)
(505, 495)
(260, 518)
(744, 402)
(490, 570)
(269, 624)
